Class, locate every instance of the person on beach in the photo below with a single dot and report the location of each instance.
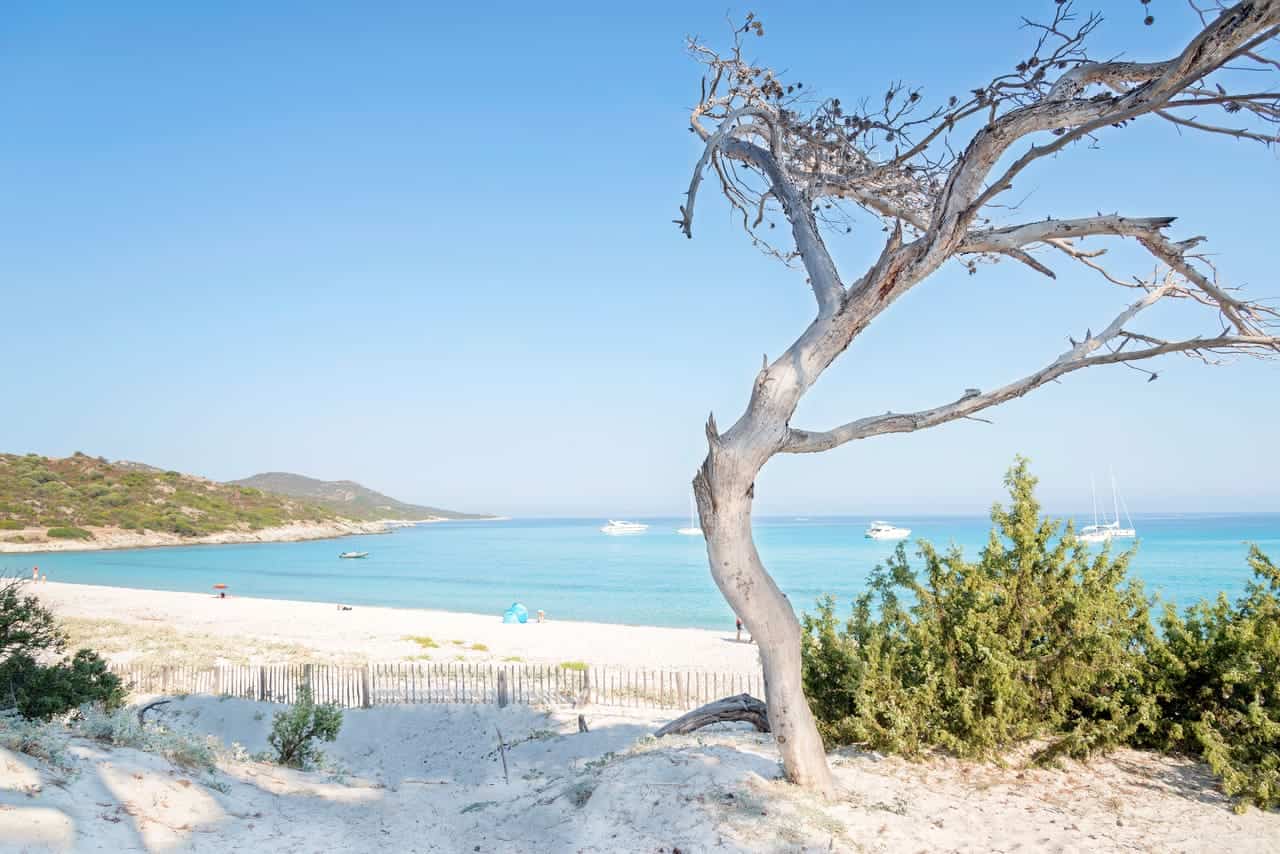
(739, 621)
(35, 573)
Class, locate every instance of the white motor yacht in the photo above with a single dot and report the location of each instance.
(885, 531)
(617, 527)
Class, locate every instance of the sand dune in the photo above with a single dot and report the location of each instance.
(429, 779)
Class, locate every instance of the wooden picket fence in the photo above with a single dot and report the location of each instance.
(364, 686)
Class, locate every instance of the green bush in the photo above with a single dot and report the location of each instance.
(26, 626)
(1216, 678)
(294, 732)
(182, 526)
(69, 533)
(29, 635)
(1037, 638)
(43, 691)
(10, 525)
(1041, 639)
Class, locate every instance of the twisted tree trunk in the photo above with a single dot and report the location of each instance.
(770, 156)
(725, 488)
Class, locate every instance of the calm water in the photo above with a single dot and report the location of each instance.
(570, 570)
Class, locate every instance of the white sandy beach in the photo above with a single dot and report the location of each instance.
(381, 634)
(429, 779)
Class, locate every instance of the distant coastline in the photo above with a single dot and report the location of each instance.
(121, 538)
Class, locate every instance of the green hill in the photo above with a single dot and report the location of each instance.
(66, 495)
(347, 498)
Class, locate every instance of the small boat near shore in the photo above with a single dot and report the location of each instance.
(618, 527)
(353, 555)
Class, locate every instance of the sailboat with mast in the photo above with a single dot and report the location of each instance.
(1105, 532)
(694, 530)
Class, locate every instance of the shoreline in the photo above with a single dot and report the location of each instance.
(257, 629)
(113, 539)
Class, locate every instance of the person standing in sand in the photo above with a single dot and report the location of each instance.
(35, 573)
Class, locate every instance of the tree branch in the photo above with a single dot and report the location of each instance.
(823, 277)
(1017, 236)
(1082, 355)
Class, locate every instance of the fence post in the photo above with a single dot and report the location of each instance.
(502, 688)
(366, 695)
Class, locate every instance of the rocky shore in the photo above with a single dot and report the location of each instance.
(38, 540)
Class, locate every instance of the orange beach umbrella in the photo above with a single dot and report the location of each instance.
(219, 587)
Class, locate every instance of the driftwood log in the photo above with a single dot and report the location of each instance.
(743, 707)
(148, 707)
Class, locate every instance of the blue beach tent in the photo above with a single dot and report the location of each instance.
(517, 613)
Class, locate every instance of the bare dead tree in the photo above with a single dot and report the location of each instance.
(930, 176)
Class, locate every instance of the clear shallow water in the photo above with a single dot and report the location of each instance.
(573, 572)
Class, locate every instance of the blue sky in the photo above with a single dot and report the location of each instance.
(431, 250)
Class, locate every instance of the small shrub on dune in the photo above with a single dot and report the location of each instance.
(121, 728)
(36, 739)
(295, 731)
(1216, 678)
(69, 533)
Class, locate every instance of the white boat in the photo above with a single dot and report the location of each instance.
(885, 531)
(1105, 532)
(618, 527)
(694, 530)
(350, 555)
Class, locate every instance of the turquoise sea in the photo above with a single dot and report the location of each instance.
(573, 572)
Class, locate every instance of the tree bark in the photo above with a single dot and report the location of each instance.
(725, 489)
